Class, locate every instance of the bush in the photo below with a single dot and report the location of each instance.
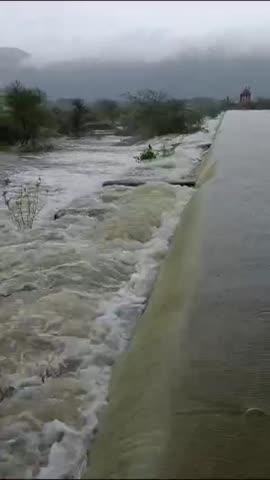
(77, 117)
(24, 205)
(147, 154)
(150, 113)
(106, 110)
(207, 106)
(8, 132)
(28, 114)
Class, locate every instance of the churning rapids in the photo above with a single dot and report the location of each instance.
(72, 289)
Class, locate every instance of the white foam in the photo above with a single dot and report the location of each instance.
(107, 315)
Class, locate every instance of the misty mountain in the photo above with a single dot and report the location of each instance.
(210, 74)
(11, 61)
(12, 56)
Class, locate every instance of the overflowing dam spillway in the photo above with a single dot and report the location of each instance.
(191, 396)
(79, 259)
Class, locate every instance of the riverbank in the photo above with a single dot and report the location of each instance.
(73, 288)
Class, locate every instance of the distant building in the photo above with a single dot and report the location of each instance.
(245, 96)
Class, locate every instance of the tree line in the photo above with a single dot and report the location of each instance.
(30, 119)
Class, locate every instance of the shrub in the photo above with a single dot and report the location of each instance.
(27, 112)
(24, 205)
(78, 117)
(106, 110)
(150, 113)
(147, 154)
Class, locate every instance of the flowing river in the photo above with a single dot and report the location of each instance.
(73, 288)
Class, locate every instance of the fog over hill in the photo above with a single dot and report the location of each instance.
(105, 48)
(191, 73)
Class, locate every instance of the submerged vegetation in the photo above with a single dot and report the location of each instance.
(147, 154)
(30, 120)
(150, 154)
(24, 204)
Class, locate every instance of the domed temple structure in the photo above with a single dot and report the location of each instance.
(245, 96)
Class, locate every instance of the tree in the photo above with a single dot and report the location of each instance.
(151, 113)
(147, 96)
(62, 121)
(27, 111)
(106, 110)
(78, 116)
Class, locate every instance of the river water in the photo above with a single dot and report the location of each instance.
(191, 397)
(72, 289)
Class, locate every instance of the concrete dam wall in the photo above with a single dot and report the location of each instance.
(191, 396)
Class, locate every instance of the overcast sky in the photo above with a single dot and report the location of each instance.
(67, 29)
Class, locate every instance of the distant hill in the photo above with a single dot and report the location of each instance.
(12, 56)
(11, 63)
(208, 74)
